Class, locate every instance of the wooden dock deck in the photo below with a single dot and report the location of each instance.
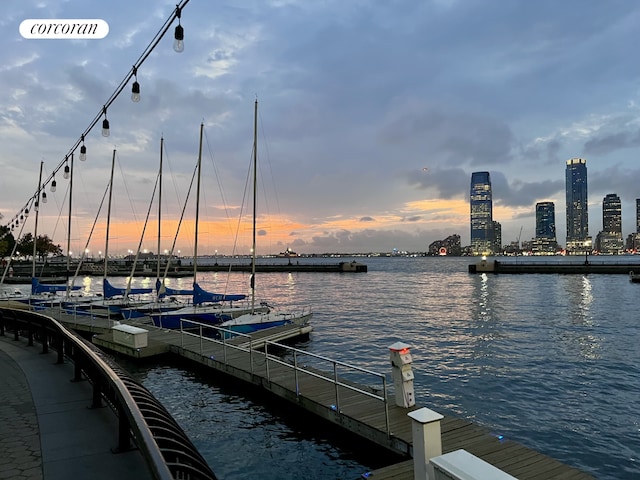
(327, 392)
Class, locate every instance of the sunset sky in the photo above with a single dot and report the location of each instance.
(372, 117)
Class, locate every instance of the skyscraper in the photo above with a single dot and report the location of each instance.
(546, 220)
(612, 214)
(577, 206)
(610, 239)
(545, 241)
(482, 237)
(637, 215)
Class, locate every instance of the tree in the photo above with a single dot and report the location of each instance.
(7, 241)
(44, 246)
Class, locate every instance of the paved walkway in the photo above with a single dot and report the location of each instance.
(47, 430)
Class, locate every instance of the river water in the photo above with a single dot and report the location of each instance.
(550, 361)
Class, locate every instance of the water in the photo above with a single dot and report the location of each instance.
(550, 361)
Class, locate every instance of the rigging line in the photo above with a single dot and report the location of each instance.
(145, 54)
(273, 182)
(95, 221)
(126, 187)
(144, 228)
(244, 198)
(175, 238)
(224, 203)
(216, 171)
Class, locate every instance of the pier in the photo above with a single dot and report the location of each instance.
(345, 396)
(57, 273)
(579, 266)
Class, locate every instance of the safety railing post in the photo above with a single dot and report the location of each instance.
(124, 429)
(295, 373)
(266, 359)
(45, 340)
(30, 334)
(335, 383)
(60, 346)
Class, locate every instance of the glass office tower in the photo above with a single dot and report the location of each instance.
(545, 240)
(612, 214)
(577, 206)
(482, 237)
(546, 220)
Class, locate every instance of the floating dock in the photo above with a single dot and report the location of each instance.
(580, 267)
(326, 392)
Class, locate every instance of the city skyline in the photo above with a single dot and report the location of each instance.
(373, 117)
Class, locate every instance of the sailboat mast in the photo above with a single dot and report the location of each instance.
(160, 204)
(35, 232)
(69, 227)
(106, 246)
(255, 186)
(195, 247)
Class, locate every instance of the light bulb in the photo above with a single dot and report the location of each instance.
(44, 197)
(178, 43)
(83, 153)
(66, 173)
(105, 128)
(135, 92)
(54, 184)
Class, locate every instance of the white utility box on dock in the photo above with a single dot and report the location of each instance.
(130, 336)
(400, 357)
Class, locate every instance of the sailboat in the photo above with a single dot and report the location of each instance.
(113, 298)
(207, 307)
(166, 299)
(41, 295)
(258, 319)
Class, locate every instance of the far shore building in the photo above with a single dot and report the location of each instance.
(481, 203)
(578, 239)
(609, 240)
(633, 240)
(545, 242)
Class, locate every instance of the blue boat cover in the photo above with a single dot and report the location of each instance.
(109, 291)
(170, 291)
(201, 296)
(37, 287)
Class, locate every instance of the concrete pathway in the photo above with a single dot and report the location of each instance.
(47, 430)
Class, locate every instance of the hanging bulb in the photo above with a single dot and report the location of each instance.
(178, 43)
(105, 123)
(21, 218)
(66, 173)
(54, 184)
(83, 151)
(135, 92)
(44, 197)
(36, 206)
(26, 212)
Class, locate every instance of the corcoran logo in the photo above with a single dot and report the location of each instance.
(74, 29)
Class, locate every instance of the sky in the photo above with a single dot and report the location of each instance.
(372, 118)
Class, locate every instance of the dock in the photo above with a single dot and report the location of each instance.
(53, 273)
(324, 388)
(574, 267)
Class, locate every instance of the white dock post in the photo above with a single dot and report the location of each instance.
(427, 441)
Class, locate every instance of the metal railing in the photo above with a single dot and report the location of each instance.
(334, 379)
(141, 417)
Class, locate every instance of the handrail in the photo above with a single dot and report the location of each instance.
(165, 447)
(295, 365)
